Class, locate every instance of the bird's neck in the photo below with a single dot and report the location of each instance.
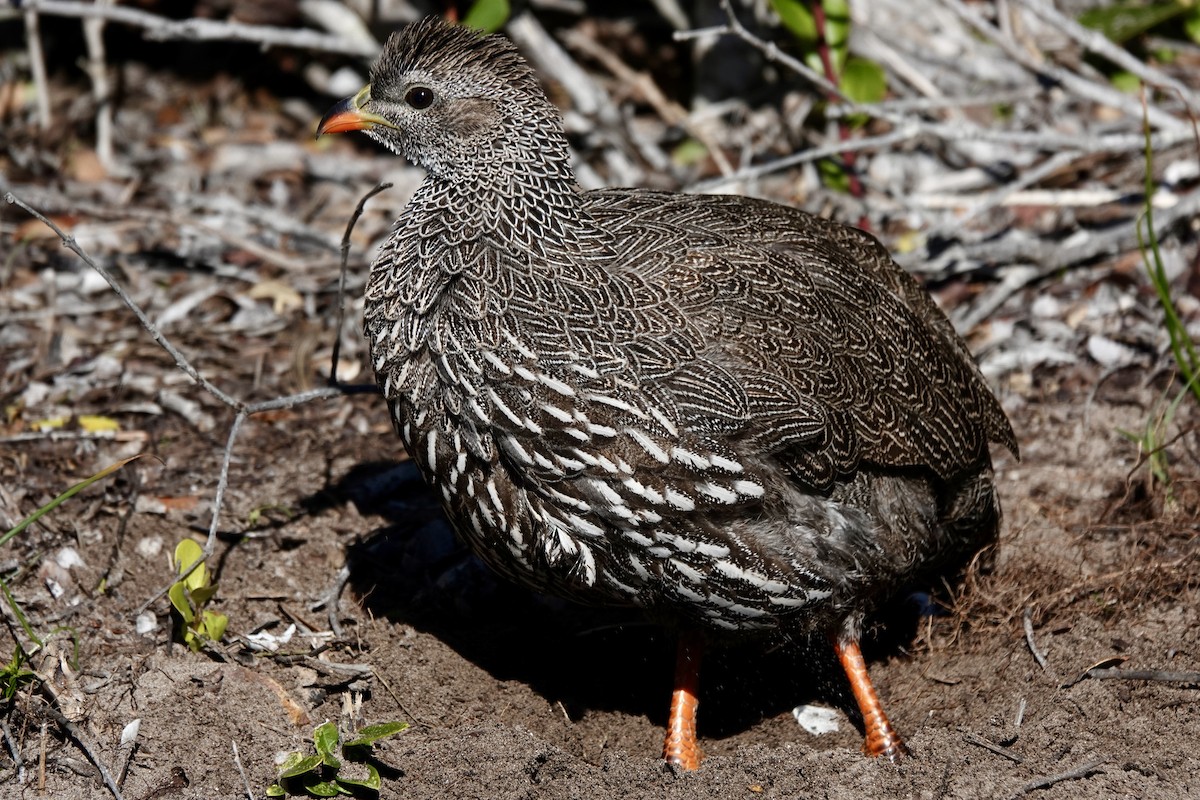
(522, 198)
(464, 242)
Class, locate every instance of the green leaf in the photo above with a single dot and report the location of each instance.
(1126, 81)
(325, 737)
(67, 495)
(188, 552)
(689, 152)
(833, 175)
(1191, 23)
(373, 733)
(275, 790)
(202, 594)
(371, 782)
(837, 24)
(177, 594)
(796, 17)
(1123, 21)
(488, 15)
(324, 789)
(863, 81)
(214, 625)
(296, 765)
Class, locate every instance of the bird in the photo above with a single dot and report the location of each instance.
(744, 419)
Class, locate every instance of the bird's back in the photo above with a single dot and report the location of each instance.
(820, 326)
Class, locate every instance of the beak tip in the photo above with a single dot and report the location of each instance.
(344, 116)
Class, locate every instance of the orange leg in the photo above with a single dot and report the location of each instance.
(681, 748)
(882, 739)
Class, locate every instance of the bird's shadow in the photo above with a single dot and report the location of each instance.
(414, 570)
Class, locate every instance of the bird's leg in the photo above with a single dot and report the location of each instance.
(882, 739)
(681, 748)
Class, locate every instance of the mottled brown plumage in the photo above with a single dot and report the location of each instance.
(731, 413)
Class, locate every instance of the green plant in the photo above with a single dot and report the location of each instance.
(13, 674)
(822, 30)
(488, 15)
(1182, 347)
(322, 775)
(1152, 442)
(191, 593)
(826, 46)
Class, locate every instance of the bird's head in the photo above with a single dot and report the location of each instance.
(448, 98)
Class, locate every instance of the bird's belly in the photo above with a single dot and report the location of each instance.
(692, 568)
(793, 560)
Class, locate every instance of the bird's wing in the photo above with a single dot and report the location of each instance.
(839, 354)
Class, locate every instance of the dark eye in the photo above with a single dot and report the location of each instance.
(419, 97)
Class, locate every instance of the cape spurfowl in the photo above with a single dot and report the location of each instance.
(740, 417)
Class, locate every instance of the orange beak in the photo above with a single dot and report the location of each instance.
(348, 115)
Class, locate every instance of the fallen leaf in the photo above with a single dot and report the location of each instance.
(93, 423)
(85, 166)
(32, 229)
(283, 297)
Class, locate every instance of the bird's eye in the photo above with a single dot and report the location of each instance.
(419, 97)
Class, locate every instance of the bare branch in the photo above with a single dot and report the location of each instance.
(161, 28)
(93, 32)
(341, 314)
(1038, 655)
(180, 360)
(1100, 44)
(84, 743)
(242, 408)
(1099, 93)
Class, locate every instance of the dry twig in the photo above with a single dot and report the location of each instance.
(84, 743)
(341, 306)
(1083, 771)
(1038, 655)
(1100, 44)
(670, 112)
(162, 28)
(14, 750)
(93, 31)
(979, 741)
(1155, 675)
(237, 760)
(1095, 91)
(37, 65)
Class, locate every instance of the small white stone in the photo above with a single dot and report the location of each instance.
(1108, 353)
(1046, 307)
(817, 720)
(68, 557)
(146, 623)
(129, 733)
